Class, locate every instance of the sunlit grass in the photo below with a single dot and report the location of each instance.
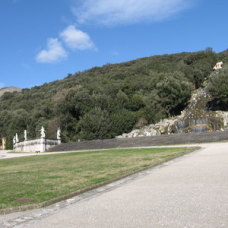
(36, 179)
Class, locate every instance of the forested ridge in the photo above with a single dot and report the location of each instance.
(104, 102)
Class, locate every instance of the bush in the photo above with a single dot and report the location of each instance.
(96, 124)
(218, 88)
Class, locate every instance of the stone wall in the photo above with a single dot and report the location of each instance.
(37, 145)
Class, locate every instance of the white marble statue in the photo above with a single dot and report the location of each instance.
(14, 140)
(42, 132)
(59, 134)
(17, 139)
(25, 135)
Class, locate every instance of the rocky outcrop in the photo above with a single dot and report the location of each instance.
(166, 126)
(224, 116)
(218, 66)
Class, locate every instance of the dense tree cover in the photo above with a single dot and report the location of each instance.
(107, 101)
(218, 88)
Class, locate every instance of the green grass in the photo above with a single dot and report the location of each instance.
(41, 178)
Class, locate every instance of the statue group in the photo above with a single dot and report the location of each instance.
(42, 135)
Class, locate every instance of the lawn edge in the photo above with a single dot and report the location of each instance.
(87, 189)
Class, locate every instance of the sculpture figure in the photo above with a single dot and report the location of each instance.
(59, 134)
(17, 139)
(14, 140)
(25, 135)
(42, 132)
(4, 143)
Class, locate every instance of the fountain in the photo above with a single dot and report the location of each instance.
(197, 118)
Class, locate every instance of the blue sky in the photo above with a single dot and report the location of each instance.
(44, 40)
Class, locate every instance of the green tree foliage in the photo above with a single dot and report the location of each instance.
(198, 66)
(173, 92)
(107, 101)
(122, 121)
(96, 124)
(218, 88)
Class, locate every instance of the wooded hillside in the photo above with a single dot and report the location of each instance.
(104, 102)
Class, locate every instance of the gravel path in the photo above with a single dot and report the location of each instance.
(191, 191)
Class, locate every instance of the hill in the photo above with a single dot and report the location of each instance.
(9, 89)
(104, 102)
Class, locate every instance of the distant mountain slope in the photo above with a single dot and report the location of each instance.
(104, 102)
(9, 89)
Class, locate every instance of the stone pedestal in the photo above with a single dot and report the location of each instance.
(42, 145)
(37, 145)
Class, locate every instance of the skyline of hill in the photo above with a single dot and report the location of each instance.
(9, 89)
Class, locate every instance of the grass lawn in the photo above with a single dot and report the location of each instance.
(36, 179)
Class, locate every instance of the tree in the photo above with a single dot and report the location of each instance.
(173, 92)
(218, 88)
(122, 121)
(96, 124)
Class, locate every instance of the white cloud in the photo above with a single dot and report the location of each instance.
(127, 11)
(76, 39)
(72, 37)
(53, 53)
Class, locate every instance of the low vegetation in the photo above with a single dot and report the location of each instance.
(35, 179)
